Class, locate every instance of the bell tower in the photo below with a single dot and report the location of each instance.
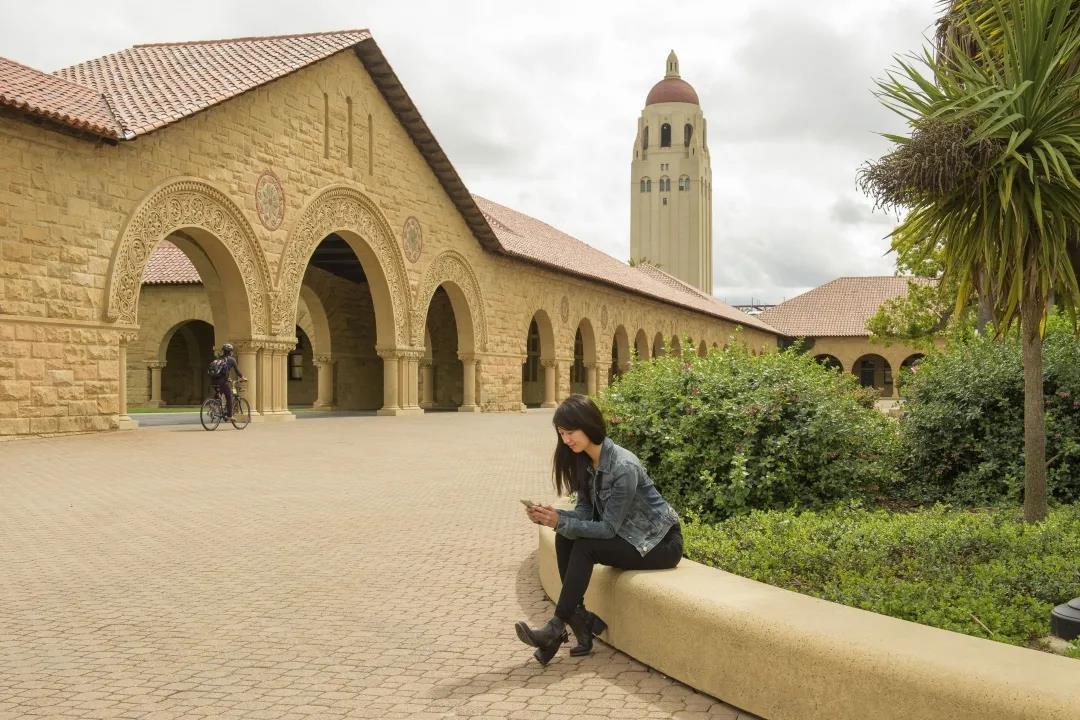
(671, 183)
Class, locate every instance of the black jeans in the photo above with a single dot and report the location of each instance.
(577, 557)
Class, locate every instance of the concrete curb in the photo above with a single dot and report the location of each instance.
(786, 656)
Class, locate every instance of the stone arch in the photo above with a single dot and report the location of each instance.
(829, 361)
(588, 341)
(320, 324)
(212, 221)
(166, 338)
(703, 349)
(676, 346)
(912, 360)
(547, 334)
(621, 343)
(452, 272)
(873, 370)
(345, 211)
(641, 344)
(658, 349)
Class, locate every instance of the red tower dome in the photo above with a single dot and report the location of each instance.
(672, 88)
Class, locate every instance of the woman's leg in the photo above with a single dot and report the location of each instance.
(563, 547)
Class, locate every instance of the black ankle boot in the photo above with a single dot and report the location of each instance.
(546, 639)
(585, 625)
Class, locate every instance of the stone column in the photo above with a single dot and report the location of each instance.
(550, 378)
(428, 369)
(410, 375)
(390, 381)
(247, 359)
(124, 420)
(324, 368)
(590, 380)
(272, 398)
(468, 400)
(156, 367)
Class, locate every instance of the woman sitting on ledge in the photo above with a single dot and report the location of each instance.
(620, 520)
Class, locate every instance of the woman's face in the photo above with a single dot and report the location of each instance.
(576, 440)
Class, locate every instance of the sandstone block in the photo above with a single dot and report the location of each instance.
(28, 369)
(43, 425)
(61, 377)
(14, 426)
(43, 396)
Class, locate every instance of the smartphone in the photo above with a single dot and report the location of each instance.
(527, 503)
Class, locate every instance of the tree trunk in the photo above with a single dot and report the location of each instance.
(1034, 413)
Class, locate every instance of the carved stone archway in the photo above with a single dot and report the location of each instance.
(450, 267)
(226, 237)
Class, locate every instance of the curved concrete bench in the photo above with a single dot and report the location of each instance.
(786, 656)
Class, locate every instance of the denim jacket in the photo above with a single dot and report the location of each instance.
(628, 504)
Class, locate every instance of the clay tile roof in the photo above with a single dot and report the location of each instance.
(150, 86)
(536, 241)
(168, 265)
(62, 101)
(672, 90)
(839, 308)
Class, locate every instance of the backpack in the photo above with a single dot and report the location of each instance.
(219, 368)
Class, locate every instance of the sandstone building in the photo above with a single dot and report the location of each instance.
(671, 183)
(296, 180)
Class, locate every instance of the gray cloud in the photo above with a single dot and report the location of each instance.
(536, 105)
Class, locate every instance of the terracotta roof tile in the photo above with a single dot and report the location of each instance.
(168, 265)
(839, 308)
(150, 86)
(62, 101)
(536, 241)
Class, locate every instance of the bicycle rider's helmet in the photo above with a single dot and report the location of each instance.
(227, 349)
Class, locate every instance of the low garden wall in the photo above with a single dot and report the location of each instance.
(786, 656)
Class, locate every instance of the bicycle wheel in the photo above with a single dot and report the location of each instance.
(241, 413)
(210, 414)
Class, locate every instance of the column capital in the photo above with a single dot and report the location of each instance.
(549, 363)
(469, 357)
(128, 336)
(400, 353)
(156, 364)
(323, 360)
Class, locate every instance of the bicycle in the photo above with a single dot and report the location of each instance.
(212, 412)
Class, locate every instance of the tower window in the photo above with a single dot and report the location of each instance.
(665, 135)
(684, 182)
(645, 138)
(688, 132)
(646, 185)
(665, 184)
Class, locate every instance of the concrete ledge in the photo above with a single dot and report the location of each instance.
(786, 656)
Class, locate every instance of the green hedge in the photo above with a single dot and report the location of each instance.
(962, 435)
(732, 431)
(985, 574)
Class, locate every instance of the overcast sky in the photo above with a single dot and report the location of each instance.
(537, 104)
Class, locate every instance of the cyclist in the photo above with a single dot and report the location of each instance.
(219, 376)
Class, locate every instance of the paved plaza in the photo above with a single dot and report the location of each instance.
(345, 567)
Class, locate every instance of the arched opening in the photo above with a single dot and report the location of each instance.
(620, 354)
(874, 371)
(829, 361)
(184, 359)
(641, 345)
(703, 349)
(676, 345)
(538, 373)
(909, 367)
(688, 133)
(665, 135)
(583, 371)
(658, 349)
(344, 290)
(645, 138)
(300, 372)
(442, 383)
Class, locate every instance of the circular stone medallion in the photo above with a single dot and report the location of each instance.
(564, 309)
(269, 201)
(412, 239)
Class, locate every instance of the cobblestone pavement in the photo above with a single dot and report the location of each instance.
(354, 567)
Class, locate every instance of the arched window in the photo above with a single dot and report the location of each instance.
(665, 135)
(665, 184)
(646, 185)
(530, 371)
(645, 138)
(684, 183)
(687, 133)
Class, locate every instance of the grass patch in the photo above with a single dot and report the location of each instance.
(984, 573)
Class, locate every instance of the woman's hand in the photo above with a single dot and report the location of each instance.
(543, 515)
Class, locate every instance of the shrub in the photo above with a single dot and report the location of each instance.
(986, 574)
(962, 435)
(729, 432)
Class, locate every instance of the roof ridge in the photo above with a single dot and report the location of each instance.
(180, 43)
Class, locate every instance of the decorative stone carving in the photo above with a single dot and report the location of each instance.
(178, 205)
(334, 210)
(603, 317)
(564, 309)
(412, 239)
(269, 201)
(451, 266)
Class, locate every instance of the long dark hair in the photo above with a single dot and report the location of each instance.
(577, 412)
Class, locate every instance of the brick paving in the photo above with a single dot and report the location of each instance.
(348, 567)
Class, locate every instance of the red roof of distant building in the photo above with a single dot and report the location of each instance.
(168, 265)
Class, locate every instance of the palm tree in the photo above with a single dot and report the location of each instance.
(988, 174)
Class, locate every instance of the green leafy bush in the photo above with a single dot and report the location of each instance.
(986, 574)
(962, 435)
(729, 432)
